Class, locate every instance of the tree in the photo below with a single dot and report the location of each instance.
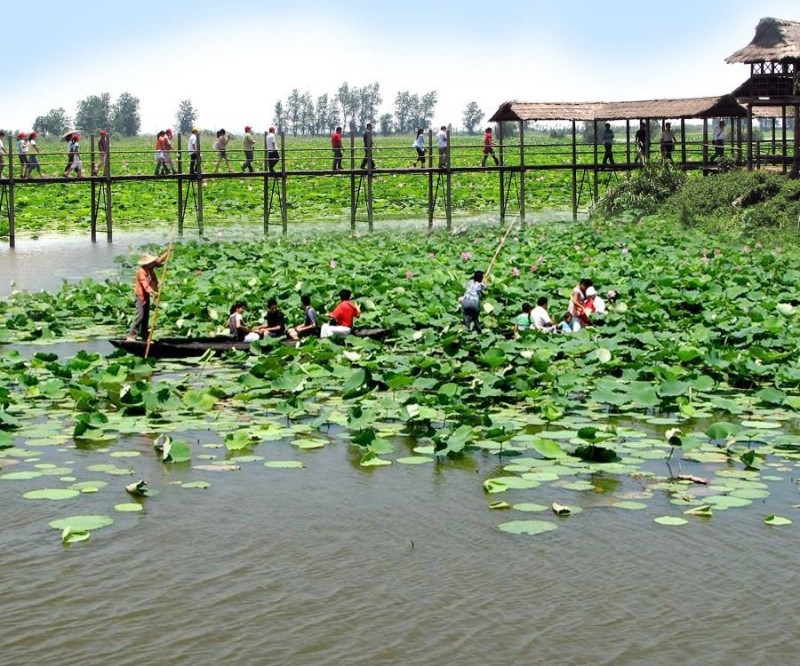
(427, 107)
(403, 111)
(369, 101)
(472, 117)
(293, 112)
(307, 119)
(125, 117)
(386, 124)
(93, 113)
(349, 101)
(186, 117)
(280, 116)
(55, 122)
(326, 115)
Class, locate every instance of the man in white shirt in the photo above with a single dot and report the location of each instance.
(719, 141)
(441, 143)
(194, 152)
(540, 318)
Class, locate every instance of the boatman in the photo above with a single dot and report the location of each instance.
(145, 285)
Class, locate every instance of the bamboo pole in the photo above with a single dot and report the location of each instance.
(499, 247)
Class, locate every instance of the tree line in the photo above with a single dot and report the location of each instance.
(351, 107)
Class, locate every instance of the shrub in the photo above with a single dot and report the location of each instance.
(642, 193)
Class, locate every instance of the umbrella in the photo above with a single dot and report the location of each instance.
(66, 136)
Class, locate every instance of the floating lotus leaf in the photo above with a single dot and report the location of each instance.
(726, 501)
(284, 464)
(83, 523)
(670, 520)
(52, 494)
(530, 507)
(531, 527)
(20, 476)
(201, 485)
(110, 469)
(499, 505)
(630, 505)
(415, 460)
(128, 507)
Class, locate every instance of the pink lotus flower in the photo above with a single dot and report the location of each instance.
(717, 251)
(586, 260)
(515, 271)
(705, 259)
(534, 268)
(332, 263)
(759, 246)
(466, 256)
(431, 255)
(409, 275)
(540, 260)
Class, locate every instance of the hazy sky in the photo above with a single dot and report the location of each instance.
(235, 59)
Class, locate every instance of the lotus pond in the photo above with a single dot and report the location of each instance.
(623, 495)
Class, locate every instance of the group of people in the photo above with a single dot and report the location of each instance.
(667, 143)
(27, 150)
(342, 317)
(584, 304)
(341, 322)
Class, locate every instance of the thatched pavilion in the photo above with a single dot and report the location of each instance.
(774, 59)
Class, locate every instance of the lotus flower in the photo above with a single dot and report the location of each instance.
(625, 250)
(515, 271)
(332, 263)
(759, 246)
(409, 275)
(534, 268)
(431, 255)
(466, 256)
(778, 249)
(746, 248)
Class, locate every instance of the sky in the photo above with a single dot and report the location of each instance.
(235, 59)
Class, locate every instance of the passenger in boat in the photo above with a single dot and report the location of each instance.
(471, 301)
(310, 325)
(240, 332)
(568, 324)
(578, 299)
(276, 323)
(342, 315)
(594, 305)
(522, 322)
(540, 317)
(145, 285)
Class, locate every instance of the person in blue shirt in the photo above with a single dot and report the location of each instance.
(471, 301)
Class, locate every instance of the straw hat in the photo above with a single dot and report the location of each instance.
(147, 259)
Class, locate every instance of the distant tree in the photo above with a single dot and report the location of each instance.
(370, 99)
(403, 112)
(472, 117)
(293, 111)
(55, 122)
(280, 116)
(125, 117)
(93, 113)
(325, 119)
(349, 100)
(186, 117)
(306, 113)
(427, 108)
(385, 123)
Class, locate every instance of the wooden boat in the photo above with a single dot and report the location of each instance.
(219, 344)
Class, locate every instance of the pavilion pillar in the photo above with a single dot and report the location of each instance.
(522, 172)
(574, 171)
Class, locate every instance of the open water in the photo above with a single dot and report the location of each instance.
(338, 564)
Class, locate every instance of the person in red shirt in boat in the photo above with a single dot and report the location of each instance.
(343, 315)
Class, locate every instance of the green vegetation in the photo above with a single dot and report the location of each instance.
(695, 367)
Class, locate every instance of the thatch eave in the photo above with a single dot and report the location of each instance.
(776, 40)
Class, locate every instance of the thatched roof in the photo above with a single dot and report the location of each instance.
(724, 106)
(775, 40)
